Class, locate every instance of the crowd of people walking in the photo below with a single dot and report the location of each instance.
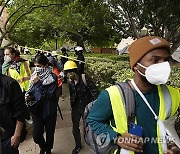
(118, 123)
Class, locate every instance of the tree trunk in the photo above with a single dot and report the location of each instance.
(5, 42)
(80, 43)
(1, 42)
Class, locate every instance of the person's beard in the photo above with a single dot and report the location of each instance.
(143, 78)
(146, 81)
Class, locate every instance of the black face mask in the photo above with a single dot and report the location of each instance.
(71, 76)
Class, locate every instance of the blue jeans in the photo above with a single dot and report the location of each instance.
(6, 147)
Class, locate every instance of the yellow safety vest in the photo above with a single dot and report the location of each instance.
(169, 103)
(23, 78)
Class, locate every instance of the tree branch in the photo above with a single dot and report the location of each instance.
(1, 3)
(132, 24)
(176, 44)
(3, 6)
(138, 12)
(2, 9)
(121, 28)
(74, 33)
(27, 12)
(12, 15)
(152, 22)
(130, 20)
(3, 34)
(170, 34)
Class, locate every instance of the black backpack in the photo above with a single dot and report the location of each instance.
(91, 139)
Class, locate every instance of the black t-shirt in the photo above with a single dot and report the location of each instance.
(12, 105)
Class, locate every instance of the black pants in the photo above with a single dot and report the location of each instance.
(76, 115)
(39, 125)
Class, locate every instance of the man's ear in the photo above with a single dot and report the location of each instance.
(135, 68)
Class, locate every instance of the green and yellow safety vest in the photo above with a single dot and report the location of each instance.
(23, 78)
(169, 104)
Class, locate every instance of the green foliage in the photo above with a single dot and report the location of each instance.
(106, 72)
(177, 124)
(74, 21)
(32, 33)
(35, 26)
(123, 57)
(174, 77)
(159, 16)
(97, 23)
(89, 22)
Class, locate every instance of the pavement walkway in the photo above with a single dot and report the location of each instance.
(64, 141)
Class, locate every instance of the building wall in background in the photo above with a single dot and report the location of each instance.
(104, 50)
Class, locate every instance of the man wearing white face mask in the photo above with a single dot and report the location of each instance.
(154, 102)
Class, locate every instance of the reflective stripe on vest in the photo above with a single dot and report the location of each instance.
(26, 66)
(169, 103)
(175, 95)
(167, 99)
(23, 79)
(116, 102)
(164, 96)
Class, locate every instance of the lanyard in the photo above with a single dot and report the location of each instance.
(144, 98)
(159, 122)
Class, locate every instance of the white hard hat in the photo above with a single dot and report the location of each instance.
(54, 53)
(78, 48)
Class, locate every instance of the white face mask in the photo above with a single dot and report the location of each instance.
(157, 73)
(7, 59)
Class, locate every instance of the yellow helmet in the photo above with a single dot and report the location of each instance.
(69, 65)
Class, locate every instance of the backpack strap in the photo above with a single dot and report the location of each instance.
(128, 100)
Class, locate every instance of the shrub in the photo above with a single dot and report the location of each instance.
(106, 72)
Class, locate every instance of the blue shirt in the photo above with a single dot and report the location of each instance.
(101, 114)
